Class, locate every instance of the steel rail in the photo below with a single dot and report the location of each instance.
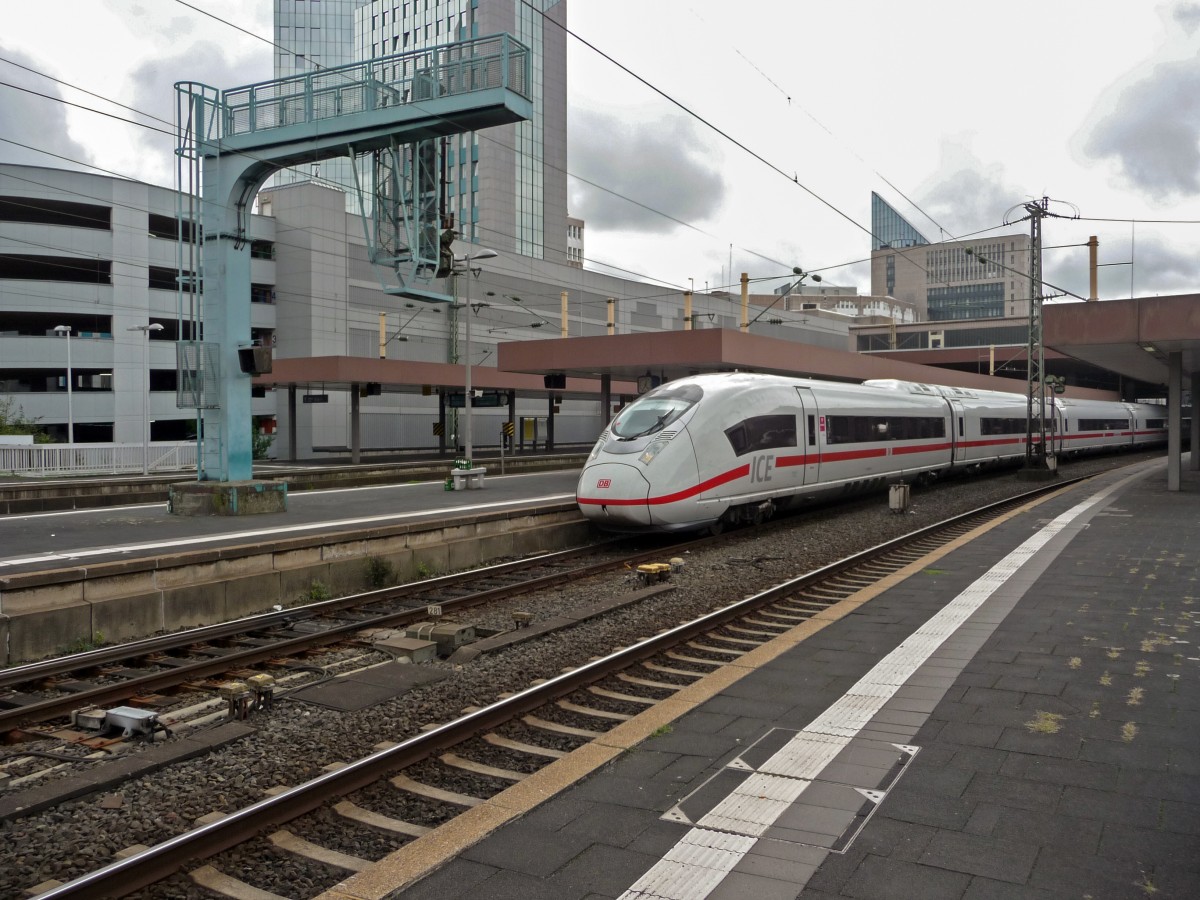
(165, 859)
(158, 681)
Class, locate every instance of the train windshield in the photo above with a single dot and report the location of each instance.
(655, 411)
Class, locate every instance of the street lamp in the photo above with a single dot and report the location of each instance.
(66, 330)
(463, 264)
(146, 329)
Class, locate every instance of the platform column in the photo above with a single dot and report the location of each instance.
(1174, 419)
(1195, 443)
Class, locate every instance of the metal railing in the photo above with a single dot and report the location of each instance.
(42, 460)
(497, 61)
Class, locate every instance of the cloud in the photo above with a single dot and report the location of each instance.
(644, 178)
(34, 121)
(963, 195)
(1153, 134)
(154, 91)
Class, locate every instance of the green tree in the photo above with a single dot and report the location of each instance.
(14, 421)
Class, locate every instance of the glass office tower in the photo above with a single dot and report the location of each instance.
(506, 186)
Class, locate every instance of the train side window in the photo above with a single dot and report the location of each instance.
(812, 431)
(870, 429)
(762, 433)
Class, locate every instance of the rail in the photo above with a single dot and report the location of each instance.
(131, 873)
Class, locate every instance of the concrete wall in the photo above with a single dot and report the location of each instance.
(48, 613)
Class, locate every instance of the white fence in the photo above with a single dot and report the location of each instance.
(40, 460)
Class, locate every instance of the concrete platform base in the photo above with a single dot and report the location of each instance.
(227, 498)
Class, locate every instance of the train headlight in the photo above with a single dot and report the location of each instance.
(652, 451)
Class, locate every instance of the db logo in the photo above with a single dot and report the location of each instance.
(604, 483)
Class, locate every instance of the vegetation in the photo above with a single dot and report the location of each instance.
(14, 421)
(380, 572)
(261, 443)
(318, 590)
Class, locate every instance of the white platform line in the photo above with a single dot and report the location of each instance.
(71, 555)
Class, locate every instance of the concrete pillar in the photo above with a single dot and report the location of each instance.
(291, 403)
(1174, 420)
(355, 425)
(1195, 442)
(605, 401)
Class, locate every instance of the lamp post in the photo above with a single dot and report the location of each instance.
(465, 261)
(146, 329)
(66, 330)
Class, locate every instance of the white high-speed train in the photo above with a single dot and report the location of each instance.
(709, 450)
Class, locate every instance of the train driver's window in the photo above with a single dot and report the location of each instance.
(655, 411)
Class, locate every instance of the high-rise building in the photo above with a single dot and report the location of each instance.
(506, 186)
(947, 281)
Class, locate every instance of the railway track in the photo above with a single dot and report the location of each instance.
(318, 833)
(151, 670)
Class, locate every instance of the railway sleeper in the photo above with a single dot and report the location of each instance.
(404, 783)
(712, 663)
(788, 617)
(648, 682)
(624, 698)
(706, 648)
(520, 747)
(293, 843)
(755, 632)
(454, 761)
(780, 627)
(558, 728)
(746, 642)
(656, 667)
(378, 821)
(213, 879)
(590, 711)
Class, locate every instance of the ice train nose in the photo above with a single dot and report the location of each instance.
(615, 495)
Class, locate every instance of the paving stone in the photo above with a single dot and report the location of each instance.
(987, 889)
(1151, 847)
(1022, 740)
(606, 823)
(450, 881)
(971, 734)
(600, 869)
(1109, 806)
(521, 847)
(1082, 875)
(1014, 792)
(990, 857)
(1053, 831)
(886, 879)
(1073, 772)
(505, 884)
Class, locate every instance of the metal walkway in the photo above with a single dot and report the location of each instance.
(230, 142)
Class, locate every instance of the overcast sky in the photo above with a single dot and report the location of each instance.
(746, 137)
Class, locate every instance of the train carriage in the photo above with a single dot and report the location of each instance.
(709, 450)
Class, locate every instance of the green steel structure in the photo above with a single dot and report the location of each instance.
(229, 142)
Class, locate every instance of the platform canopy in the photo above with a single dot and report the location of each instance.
(665, 356)
(1132, 337)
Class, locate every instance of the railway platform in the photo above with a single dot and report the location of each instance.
(1015, 715)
